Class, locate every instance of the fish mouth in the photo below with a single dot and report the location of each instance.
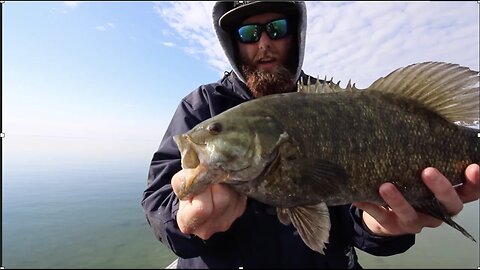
(194, 154)
(190, 186)
(189, 156)
(203, 172)
(189, 160)
(196, 161)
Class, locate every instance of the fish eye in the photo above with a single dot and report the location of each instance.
(215, 128)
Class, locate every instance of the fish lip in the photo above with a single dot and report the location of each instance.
(189, 151)
(190, 140)
(184, 139)
(178, 140)
(184, 192)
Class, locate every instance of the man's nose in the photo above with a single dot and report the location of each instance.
(264, 41)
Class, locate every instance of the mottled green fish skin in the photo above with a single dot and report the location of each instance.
(304, 151)
(369, 138)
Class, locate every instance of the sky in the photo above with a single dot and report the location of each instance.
(119, 69)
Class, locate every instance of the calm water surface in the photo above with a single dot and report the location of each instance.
(75, 203)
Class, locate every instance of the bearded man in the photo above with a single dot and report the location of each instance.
(219, 228)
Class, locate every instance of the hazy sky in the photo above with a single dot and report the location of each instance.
(119, 69)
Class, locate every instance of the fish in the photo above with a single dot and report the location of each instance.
(325, 145)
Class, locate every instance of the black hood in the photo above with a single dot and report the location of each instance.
(222, 13)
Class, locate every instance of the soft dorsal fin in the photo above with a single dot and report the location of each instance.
(447, 89)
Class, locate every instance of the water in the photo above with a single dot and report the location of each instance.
(69, 208)
(75, 203)
(437, 248)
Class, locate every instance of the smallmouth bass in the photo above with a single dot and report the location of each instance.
(307, 150)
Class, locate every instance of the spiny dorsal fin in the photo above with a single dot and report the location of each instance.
(323, 87)
(447, 89)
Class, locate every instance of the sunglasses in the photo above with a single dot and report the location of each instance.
(251, 33)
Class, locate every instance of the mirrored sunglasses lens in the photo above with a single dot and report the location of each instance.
(277, 29)
(248, 33)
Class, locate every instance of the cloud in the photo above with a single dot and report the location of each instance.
(191, 21)
(105, 27)
(352, 40)
(71, 4)
(364, 41)
(168, 44)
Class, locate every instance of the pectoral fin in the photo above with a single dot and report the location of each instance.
(328, 172)
(324, 176)
(312, 223)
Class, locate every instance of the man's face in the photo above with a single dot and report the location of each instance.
(265, 63)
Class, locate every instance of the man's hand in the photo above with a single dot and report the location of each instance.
(402, 218)
(213, 210)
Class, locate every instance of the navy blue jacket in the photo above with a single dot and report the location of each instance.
(256, 239)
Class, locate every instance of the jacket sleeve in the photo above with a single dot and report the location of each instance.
(159, 202)
(377, 245)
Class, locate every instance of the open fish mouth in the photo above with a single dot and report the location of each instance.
(190, 159)
(190, 183)
(200, 173)
(189, 156)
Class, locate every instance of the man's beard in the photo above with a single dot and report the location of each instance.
(263, 83)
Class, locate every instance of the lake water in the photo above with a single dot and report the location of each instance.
(75, 203)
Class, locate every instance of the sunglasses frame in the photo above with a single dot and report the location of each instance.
(263, 28)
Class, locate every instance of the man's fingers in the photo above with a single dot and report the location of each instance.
(179, 179)
(193, 213)
(443, 190)
(402, 208)
(228, 205)
(212, 211)
(411, 220)
(378, 212)
(221, 198)
(224, 202)
(374, 215)
(470, 190)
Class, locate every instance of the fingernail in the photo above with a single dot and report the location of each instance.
(389, 190)
(430, 173)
